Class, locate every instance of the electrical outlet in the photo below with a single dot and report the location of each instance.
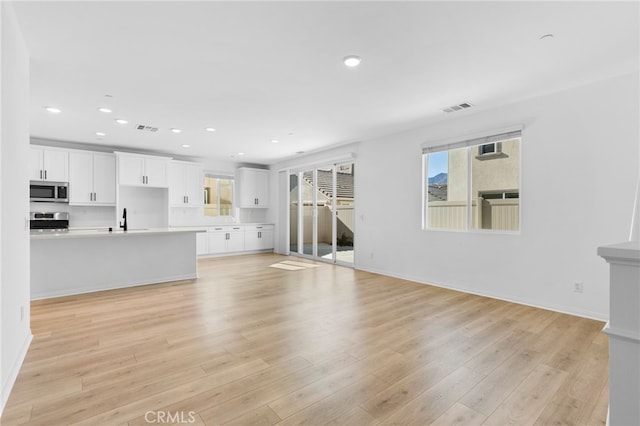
(578, 287)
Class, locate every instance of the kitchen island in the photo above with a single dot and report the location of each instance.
(84, 261)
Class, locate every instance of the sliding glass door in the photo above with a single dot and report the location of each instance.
(321, 213)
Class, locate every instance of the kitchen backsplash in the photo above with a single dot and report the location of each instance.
(80, 216)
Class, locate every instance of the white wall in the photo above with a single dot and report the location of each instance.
(15, 334)
(580, 162)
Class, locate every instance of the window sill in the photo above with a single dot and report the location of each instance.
(491, 155)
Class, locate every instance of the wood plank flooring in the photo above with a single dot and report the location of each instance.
(246, 344)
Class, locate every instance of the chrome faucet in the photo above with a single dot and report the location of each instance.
(123, 222)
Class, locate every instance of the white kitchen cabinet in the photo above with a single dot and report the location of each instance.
(253, 187)
(92, 178)
(202, 243)
(258, 237)
(186, 185)
(48, 164)
(226, 239)
(142, 170)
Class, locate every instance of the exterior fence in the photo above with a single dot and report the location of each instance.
(345, 223)
(498, 214)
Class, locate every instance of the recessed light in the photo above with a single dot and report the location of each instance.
(352, 61)
(121, 121)
(274, 141)
(186, 145)
(105, 110)
(53, 110)
(210, 129)
(101, 134)
(176, 130)
(241, 153)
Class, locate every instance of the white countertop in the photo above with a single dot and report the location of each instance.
(215, 225)
(629, 250)
(104, 232)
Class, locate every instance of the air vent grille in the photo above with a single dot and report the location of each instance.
(458, 107)
(147, 128)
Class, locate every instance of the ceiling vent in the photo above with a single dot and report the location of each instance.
(147, 128)
(458, 107)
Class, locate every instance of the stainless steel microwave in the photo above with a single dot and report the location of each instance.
(52, 192)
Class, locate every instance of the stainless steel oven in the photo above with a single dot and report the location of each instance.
(49, 221)
(52, 192)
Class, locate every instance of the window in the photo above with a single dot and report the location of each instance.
(473, 184)
(490, 150)
(218, 195)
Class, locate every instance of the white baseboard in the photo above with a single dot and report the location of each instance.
(7, 386)
(535, 304)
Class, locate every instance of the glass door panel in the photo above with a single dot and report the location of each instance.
(294, 192)
(345, 212)
(307, 189)
(324, 212)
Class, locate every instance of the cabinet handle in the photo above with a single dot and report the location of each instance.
(187, 197)
(40, 174)
(45, 175)
(95, 196)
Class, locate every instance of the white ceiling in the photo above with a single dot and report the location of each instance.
(258, 71)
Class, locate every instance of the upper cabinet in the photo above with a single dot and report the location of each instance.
(142, 170)
(48, 164)
(92, 178)
(253, 187)
(186, 184)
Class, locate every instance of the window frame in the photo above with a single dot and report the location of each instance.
(473, 143)
(219, 176)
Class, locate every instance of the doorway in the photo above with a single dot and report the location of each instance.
(321, 213)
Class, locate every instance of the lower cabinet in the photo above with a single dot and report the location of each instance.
(202, 243)
(258, 237)
(226, 239)
(234, 239)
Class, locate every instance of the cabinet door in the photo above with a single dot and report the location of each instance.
(202, 243)
(130, 170)
(80, 178)
(251, 239)
(104, 179)
(194, 185)
(262, 189)
(266, 239)
(246, 188)
(254, 187)
(56, 165)
(156, 172)
(176, 173)
(36, 166)
(217, 240)
(236, 240)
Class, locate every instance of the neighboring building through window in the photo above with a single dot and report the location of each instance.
(473, 184)
(218, 195)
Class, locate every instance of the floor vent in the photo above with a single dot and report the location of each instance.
(148, 128)
(458, 107)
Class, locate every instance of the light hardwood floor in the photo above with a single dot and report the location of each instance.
(254, 345)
